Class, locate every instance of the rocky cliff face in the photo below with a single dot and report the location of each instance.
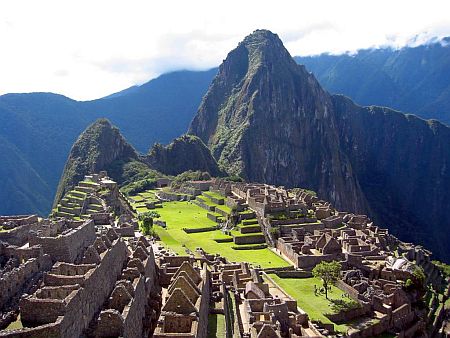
(98, 147)
(184, 153)
(402, 164)
(267, 119)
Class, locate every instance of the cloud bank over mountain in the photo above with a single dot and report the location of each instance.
(60, 46)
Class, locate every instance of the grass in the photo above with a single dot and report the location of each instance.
(302, 289)
(216, 325)
(213, 194)
(207, 201)
(179, 215)
(224, 208)
(17, 324)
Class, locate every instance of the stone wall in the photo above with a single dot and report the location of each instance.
(81, 306)
(346, 316)
(310, 261)
(13, 282)
(68, 246)
(19, 235)
(249, 239)
(371, 330)
(353, 293)
(202, 329)
(44, 331)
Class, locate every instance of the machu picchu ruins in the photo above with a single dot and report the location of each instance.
(223, 259)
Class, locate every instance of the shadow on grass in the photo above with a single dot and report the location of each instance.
(338, 305)
(212, 326)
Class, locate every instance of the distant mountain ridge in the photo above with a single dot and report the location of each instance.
(412, 79)
(267, 119)
(38, 130)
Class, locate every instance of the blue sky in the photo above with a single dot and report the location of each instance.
(89, 49)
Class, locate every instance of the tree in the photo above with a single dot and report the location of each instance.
(146, 223)
(328, 272)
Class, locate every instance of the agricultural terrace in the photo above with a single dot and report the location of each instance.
(179, 215)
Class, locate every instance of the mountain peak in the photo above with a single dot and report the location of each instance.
(261, 36)
(262, 47)
(97, 148)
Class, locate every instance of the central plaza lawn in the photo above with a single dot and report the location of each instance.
(302, 290)
(179, 215)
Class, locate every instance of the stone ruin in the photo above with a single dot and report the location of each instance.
(185, 307)
(97, 277)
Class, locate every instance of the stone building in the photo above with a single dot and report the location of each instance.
(185, 306)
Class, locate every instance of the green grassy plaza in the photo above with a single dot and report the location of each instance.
(179, 215)
(315, 305)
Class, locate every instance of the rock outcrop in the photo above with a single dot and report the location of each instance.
(186, 152)
(267, 119)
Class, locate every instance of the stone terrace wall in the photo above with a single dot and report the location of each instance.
(43, 331)
(346, 316)
(19, 235)
(68, 247)
(353, 293)
(12, 282)
(83, 306)
(202, 330)
(133, 314)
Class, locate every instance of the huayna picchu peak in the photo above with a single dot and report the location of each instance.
(267, 119)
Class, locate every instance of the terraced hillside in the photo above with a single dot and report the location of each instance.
(80, 202)
(202, 223)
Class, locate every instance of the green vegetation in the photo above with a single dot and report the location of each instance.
(445, 268)
(328, 272)
(213, 194)
(146, 223)
(216, 325)
(190, 176)
(134, 177)
(16, 325)
(419, 277)
(179, 215)
(315, 304)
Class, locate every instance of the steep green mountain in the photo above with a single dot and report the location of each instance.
(40, 128)
(185, 153)
(268, 119)
(96, 149)
(413, 79)
(102, 147)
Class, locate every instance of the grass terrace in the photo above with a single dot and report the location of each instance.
(213, 194)
(179, 215)
(216, 325)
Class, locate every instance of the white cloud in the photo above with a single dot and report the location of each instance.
(88, 49)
